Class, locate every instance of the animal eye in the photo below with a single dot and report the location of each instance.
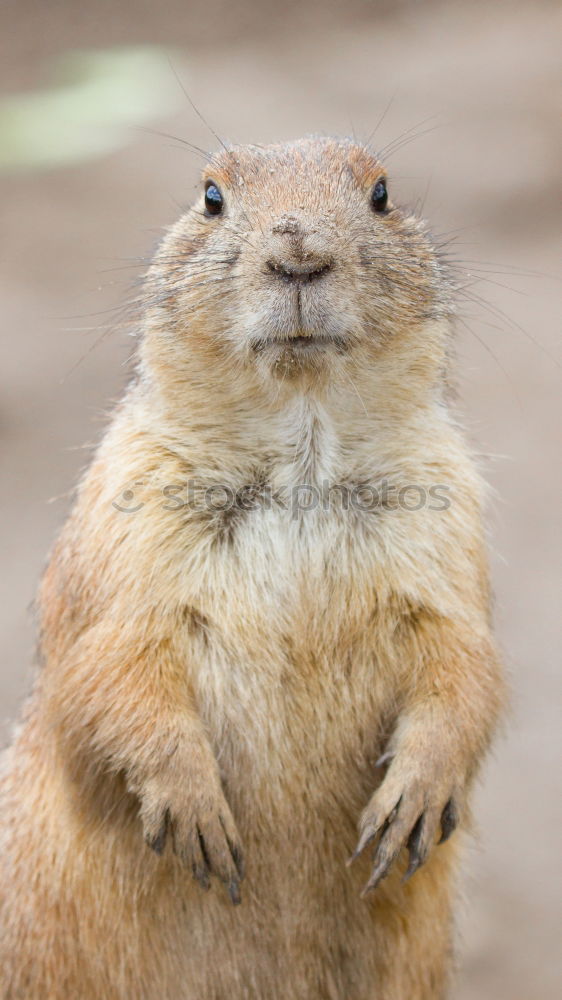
(213, 199)
(379, 197)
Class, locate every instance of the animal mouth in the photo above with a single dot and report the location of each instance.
(301, 343)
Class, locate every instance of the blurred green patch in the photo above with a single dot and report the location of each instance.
(96, 99)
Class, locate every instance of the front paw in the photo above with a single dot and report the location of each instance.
(193, 814)
(412, 808)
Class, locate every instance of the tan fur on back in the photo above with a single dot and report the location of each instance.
(237, 670)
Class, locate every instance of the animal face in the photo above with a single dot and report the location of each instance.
(294, 260)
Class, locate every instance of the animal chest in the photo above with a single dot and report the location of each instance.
(293, 657)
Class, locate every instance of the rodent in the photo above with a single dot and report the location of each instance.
(240, 695)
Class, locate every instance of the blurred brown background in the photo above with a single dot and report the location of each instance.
(488, 168)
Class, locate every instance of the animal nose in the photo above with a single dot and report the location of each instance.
(300, 271)
(296, 251)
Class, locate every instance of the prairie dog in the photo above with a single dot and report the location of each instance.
(265, 628)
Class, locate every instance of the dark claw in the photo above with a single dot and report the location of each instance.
(376, 828)
(234, 893)
(202, 876)
(204, 851)
(238, 859)
(449, 820)
(236, 853)
(379, 872)
(158, 842)
(417, 856)
(365, 839)
(383, 859)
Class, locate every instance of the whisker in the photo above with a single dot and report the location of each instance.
(381, 119)
(407, 136)
(195, 108)
(494, 356)
(499, 313)
(204, 154)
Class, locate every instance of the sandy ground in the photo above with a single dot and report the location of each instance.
(489, 172)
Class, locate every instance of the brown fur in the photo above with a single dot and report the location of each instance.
(240, 672)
